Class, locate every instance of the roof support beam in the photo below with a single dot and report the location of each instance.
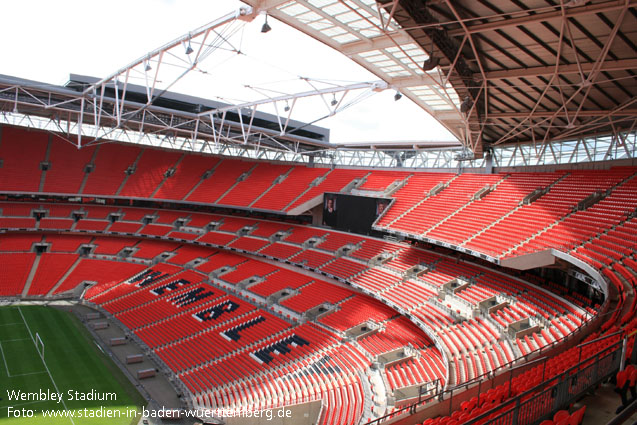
(389, 39)
(618, 65)
(372, 85)
(265, 5)
(157, 53)
(473, 134)
(545, 114)
(541, 17)
(420, 80)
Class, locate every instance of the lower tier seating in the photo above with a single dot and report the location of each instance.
(166, 318)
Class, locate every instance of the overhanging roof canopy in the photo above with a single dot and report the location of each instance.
(508, 71)
(371, 37)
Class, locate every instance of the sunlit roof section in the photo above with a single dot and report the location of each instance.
(368, 34)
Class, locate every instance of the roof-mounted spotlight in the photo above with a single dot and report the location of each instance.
(266, 28)
(147, 66)
(189, 48)
(333, 102)
(466, 105)
(397, 96)
(287, 107)
(430, 63)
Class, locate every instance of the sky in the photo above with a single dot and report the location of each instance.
(46, 41)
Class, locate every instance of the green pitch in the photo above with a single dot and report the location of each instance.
(73, 379)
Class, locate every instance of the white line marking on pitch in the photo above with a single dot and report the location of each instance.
(5, 361)
(12, 340)
(44, 363)
(31, 373)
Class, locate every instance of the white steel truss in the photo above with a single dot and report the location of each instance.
(586, 150)
(98, 119)
(104, 108)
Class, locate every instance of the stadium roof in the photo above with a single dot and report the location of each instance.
(534, 83)
(501, 71)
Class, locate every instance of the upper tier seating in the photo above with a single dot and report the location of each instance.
(224, 176)
(380, 181)
(245, 192)
(439, 206)
(435, 208)
(416, 189)
(335, 181)
(150, 172)
(283, 193)
(583, 225)
(482, 212)
(67, 163)
(20, 171)
(110, 165)
(560, 200)
(188, 173)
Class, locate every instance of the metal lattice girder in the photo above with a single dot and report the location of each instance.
(507, 72)
(622, 145)
(160, 69)
(116, 102)
(551, 71)
(368, 33)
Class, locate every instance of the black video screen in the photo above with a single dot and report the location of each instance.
(352, 213)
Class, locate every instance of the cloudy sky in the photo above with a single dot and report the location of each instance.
(48, 40)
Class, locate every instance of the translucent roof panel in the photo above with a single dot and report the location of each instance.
(372, 38)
